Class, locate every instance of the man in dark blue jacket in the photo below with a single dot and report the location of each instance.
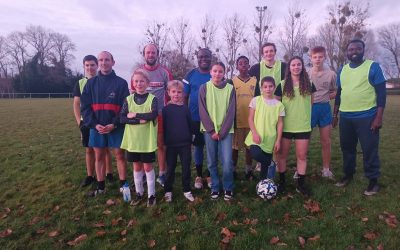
(101, 101)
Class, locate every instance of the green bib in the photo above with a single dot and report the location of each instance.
(297, 112)
(274, 72)
(357, 92)
(217, 101)
(265, 119)
(140, 138)
(82, 83)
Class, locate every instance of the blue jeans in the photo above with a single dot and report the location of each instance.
(223, 150)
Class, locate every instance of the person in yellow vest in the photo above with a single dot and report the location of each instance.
(266, 125)
(139, 113)
(244, 86)
(361, 100)
(217, 113)
(90, 66)
(296, 93)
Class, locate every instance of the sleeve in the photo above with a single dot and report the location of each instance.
(186, 83)
(332, 86)
(338, 77)
(150, 116)
(339, 88)
(76, 91)
(123, 115)
(281, 109)
(88, 115)
(124, 92)
(230, 115)
(278, 90)
(165, 123)
(252, 103)
(255, 71)
(380, 91)
(376, 75)
(204, 116)
(283, 70)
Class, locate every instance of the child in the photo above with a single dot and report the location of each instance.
(296, 94)
(139, 112)
(217, 112)
(321, 115)
(177, 138)
(244, 89)
(266, 125)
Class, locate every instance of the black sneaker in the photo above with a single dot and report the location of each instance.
(228, 195)
(87, 181)
(344, 181)
(110, 177)
(214, 195)
(372, 189)
(303, 190)
(151, 202)
(96, 192)
(137, 200)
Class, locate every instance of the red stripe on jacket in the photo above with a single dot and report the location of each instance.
(113, 107)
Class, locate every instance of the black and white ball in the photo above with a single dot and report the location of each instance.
(266, 189)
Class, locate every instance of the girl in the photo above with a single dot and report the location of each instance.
(139, 112)
(217, 112)
(296, 93)
(266, 124)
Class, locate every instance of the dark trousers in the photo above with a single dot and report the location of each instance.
(352, 131)
(172, 153)
(262, 157)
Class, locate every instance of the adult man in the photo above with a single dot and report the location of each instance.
(159, 77)
(324, 80)
(268, 66)
(193, 80)
(361, 99)
(90, 66)
(102, 99)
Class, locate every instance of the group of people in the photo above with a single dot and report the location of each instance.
(261, 111)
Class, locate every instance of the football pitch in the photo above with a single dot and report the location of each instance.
(42, 206)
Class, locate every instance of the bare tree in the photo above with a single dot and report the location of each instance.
(61, 49)
(262, 31)
(234, 38)
(17, 46)
(158, 33)
(208, 32)
(40, 40)
(4, 60)
(294, 35)
(389, 39)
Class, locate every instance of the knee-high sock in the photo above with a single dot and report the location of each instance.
(138, 177)
(151, 183)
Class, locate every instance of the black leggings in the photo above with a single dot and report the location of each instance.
(185, 155)
(262, 157)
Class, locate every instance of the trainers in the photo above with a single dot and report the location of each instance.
(161, 180)
(151, 201)
(96, 192)
(296, 175)
(214, 195)
(344, 181)
(137, 200)
(303, 190)
(326, 173)
(110, 177)
(87, 181)
(198, 183)
(189, 196)
(228, 195)
(168, 196)
(373, 188)
(209, 181)
(258, 167)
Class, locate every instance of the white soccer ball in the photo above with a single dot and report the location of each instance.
(266, 189)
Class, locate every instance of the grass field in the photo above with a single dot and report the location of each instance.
(42, 206)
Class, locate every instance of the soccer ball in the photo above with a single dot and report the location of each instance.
(266, 189)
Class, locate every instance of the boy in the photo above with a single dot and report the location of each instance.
(324, 80)
(177, 138)
(90, 66)
(244, 87)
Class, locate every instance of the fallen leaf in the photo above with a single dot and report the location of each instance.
(370, 236)
(314, 238)
(245, 210)
(115, 222)
(302, 241)
(181, 217)
(247, 221)
(124, 239)
(7, 210)
(98, 224)
(151, 243)
(34, 221)
(312, 206)
(4, 216)
(281, 244)
(254, 221)
(100, 233)
(132, 223)
(234, 222)
(380, 246)
(274, 240)
(77, 240)
(173, 248)
(77, 219)
(106, 212)
(56, 208)
(7, 232)
(220, 217)
(391, 222)
(286, 217)
(225, 232)
(365, 219)
(226, 240)
(110, 202)
(54, 233)
(252, 230)
(40, 231)
(124, 232)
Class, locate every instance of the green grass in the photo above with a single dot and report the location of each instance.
(42, 163)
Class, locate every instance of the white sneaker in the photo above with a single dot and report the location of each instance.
(168, 196)
(209, 182)
(296, 175)
(189, 196)
(198, 183)
(326, 172)
(258, 167)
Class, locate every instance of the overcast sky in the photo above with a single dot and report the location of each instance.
(118, 26)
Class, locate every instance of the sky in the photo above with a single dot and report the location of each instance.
(118, 26)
